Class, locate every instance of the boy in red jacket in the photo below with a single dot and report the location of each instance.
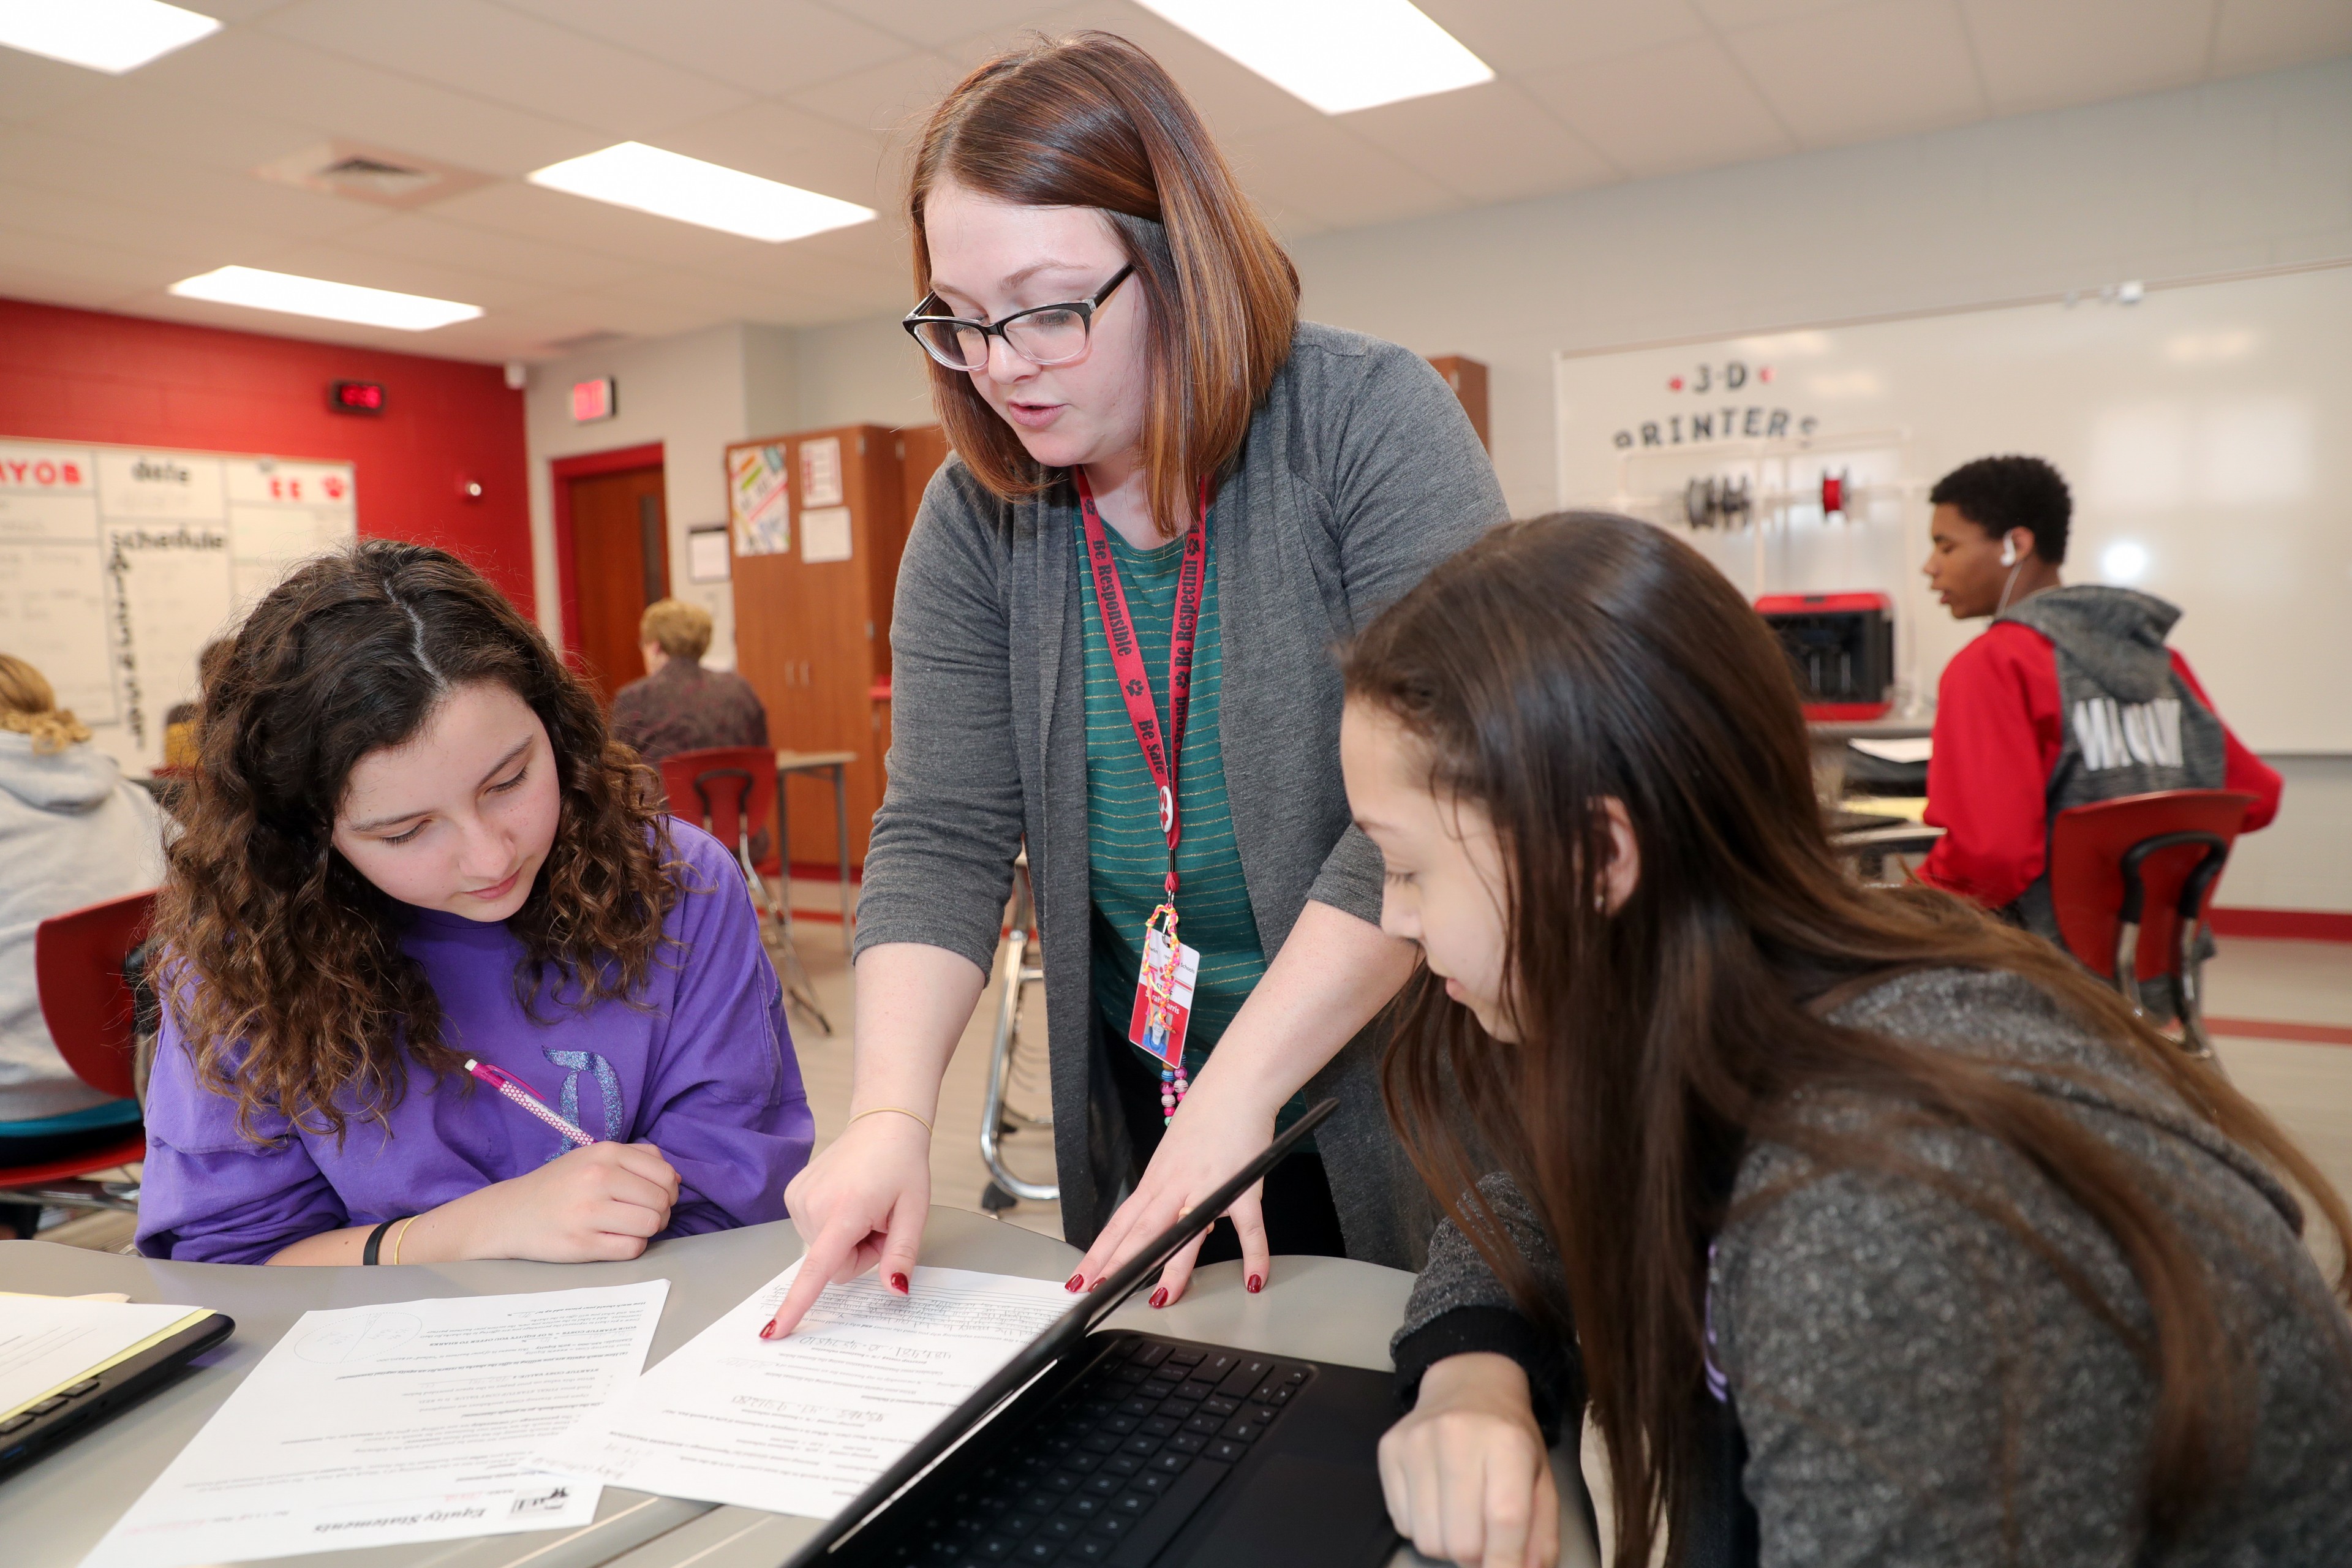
(2069, 697)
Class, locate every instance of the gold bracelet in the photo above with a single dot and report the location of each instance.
(878, 1109)
(400, 1235)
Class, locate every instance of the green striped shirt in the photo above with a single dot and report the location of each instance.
(1127, 853)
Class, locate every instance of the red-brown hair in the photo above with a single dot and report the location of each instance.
(1091, 120)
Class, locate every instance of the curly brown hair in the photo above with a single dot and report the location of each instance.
(286, 971)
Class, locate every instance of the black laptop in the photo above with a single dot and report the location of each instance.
(1132, 1450)
(66, 1413)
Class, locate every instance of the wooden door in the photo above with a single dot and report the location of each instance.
(620, 559)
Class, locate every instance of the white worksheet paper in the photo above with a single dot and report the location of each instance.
(803, 1423)
(48, 1341)
(377, 1426)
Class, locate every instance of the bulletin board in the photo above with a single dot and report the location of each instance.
(119, 563)
(2199, 426)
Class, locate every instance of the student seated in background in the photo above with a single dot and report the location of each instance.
(72, 831)
(2069, 697)
(409, 842)
(680, 705)
(1873, 1229)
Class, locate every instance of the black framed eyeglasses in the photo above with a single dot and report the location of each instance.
(1043, 334)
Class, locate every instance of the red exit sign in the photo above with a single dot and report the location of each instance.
(356, 397)
(593, 400)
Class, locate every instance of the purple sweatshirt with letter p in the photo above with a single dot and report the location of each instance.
(700, 1063)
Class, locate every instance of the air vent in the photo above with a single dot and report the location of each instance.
(373, 174)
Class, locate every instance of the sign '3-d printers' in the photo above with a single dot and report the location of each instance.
(1728, 402)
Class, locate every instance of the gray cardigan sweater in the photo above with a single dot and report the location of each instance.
(1359, 474)
(1875, 1336)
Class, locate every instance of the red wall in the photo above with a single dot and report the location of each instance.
(79, 376)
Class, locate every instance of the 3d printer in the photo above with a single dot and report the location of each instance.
(1841, 647)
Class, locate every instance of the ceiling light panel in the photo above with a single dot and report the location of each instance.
(1337, 55)
(110, 36)
(672, 186)
(260, 290)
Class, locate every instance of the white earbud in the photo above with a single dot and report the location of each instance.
(2009, 552)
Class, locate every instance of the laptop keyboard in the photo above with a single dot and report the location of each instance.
(1114, 1466)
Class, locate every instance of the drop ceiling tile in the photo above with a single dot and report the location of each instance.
(889, 101)
(1334, 176)
(358, 263)
(1685, 106)
(721, 299)
(1888, 68)
(1233, 99)
(506, 58)
(634, 318)
(47, 286)
(934, 24)
(107, 265)
(427, 237)
(134, 113)
(2036, 55)
(32, 87)
(2256, 35)
(767, 46)
(1515, 36)
(192, 244)
(1727, 14)
(169, 190)
(777, 141)
(557, 217)
(254, 72)
(1485, 144)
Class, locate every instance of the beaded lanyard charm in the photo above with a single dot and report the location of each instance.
(1160, 986)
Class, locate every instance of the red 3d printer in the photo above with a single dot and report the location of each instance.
(1841, 647)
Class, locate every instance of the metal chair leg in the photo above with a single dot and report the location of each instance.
(798, 987)
(1018, 974)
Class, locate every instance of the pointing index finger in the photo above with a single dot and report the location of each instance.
(833, 1247)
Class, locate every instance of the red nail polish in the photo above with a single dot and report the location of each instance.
(768, 1331)
(1256, 1283)
(1076, 1280)
(1160, 1297)
(1095, 1287)
(898, 1283)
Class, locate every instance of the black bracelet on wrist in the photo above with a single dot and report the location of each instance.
(376, 1240)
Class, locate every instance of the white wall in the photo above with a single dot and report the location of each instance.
(2239, 174)
(693, 394)
(2242, 173)
(861, 373)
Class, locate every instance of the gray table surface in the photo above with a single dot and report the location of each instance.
(54, 1512)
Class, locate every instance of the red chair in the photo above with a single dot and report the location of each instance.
(86, 1002)
(2132, 880)
(730, 792)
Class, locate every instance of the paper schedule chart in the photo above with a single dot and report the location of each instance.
(406, 1422)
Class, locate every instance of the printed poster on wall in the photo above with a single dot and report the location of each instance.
(119, 563)
(821, 471)
(759, 499)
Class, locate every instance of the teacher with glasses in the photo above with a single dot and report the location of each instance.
(1113, 639)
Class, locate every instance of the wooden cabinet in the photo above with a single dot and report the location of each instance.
(1468, 377)
(811, 621)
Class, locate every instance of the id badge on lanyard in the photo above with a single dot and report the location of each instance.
(1163, 988)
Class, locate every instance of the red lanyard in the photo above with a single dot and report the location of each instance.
(1161, 754)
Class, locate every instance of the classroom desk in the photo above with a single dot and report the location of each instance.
(55, 1510)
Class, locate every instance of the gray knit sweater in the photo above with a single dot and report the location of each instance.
(1915, 1385)
(1359, 473)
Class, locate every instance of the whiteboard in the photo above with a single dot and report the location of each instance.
(119, 563)
(2202, 429)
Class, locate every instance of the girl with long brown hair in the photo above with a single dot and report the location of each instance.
(417, 880)
(1871, 1230)
(1111, 641)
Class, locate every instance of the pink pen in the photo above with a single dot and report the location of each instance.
(514, 1088)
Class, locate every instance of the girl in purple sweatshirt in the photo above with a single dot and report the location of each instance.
(410, 846)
